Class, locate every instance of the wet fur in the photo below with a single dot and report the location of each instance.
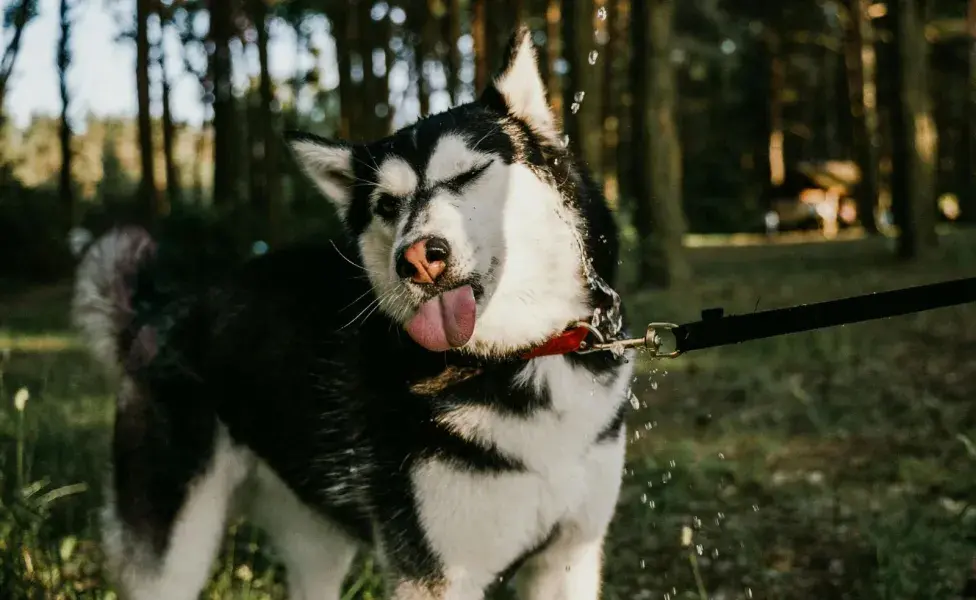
(283, 390)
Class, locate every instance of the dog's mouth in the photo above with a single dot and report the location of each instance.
(445, 321)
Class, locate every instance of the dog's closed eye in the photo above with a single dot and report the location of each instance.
(457, 183)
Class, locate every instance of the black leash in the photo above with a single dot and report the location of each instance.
(715, 329)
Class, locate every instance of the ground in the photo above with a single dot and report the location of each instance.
(833, 464)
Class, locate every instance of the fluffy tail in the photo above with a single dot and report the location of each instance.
(102, 304)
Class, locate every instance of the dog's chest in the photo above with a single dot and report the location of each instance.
(489, 519)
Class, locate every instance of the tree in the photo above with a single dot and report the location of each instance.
(860, 60)
(573, 81)
(225, 148)
(172, 177)
(479, 34)
(147, 183)
(265, 144)
(65, 189)
(967, 167)
(658, 216)
(16, 17)
(913, 135)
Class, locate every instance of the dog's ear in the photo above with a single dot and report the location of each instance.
(519, 85)
(327, 163)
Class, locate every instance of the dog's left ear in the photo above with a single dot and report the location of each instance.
(520, 85)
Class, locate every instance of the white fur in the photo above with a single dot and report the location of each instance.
(522, 87)
(395, 177)
(478, 523)
(315, 552)
(508, 215)
(329, 166)
(195, 537)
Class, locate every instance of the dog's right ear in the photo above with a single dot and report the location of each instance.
(327, 163)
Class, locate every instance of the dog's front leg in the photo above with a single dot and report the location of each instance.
(568, 570)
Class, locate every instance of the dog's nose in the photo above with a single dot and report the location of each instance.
(424, 260)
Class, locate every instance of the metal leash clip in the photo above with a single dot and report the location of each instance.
(651, 341)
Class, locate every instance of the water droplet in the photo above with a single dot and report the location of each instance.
(564, 141)
(574, 107)
(643, 563)
(721, 456)
(601, 13)
(578, 96)
(715, 553)
(700, 549)
(643, 498)
(748, 592)
(755, 508)
(651, 505)
(592, 57)
(634, 400)
(672, 464)
(653, 385)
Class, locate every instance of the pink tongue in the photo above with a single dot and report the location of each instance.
(445, 321)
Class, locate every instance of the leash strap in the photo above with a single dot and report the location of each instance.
(714, 329)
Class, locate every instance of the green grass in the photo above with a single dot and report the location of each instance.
(834, 464)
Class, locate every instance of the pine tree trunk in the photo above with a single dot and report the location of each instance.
(173, 188)
(65, 188)
(344, 24)
(860, 59)
(9, 59)
(270, 175)
(225, 149)
(967, 161)
(479, 34)
(554, 48)
(573, 79)
(663, 261)
(913, 133)
(610, 107)
(147, 184)
(451, 28)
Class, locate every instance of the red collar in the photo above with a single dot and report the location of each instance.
(568, 341)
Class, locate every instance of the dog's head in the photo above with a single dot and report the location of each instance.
(469, 222)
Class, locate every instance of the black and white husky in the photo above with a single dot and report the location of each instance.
(414, 389)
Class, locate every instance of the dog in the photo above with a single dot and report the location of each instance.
(418, 386)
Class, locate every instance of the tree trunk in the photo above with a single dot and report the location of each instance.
(663, 262)
(147, 184)
(553, 51)
(625, 110)
(451, 28)
(221, 28)
(860, 58)
(9, 59)
(967, 160)
(571, 106)
(479, 34)
(344, 27)
(173, 188)
(913, 133)
(777, 81)
(268, 175)
(610, 107)
(65, 190)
